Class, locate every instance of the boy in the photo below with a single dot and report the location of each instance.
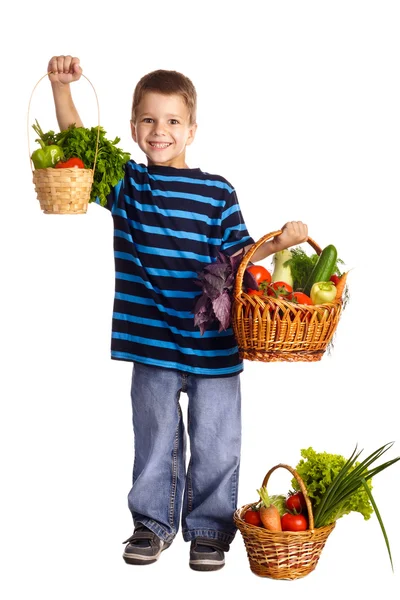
(169, 222)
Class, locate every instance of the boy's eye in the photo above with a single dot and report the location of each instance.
(174, 122)
(147, 120)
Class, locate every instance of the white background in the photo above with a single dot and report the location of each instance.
(299, 109)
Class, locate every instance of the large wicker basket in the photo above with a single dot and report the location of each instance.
(274, 329)
(282, 554)
(63, 191)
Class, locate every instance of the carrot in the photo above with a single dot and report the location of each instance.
(269, 514)
(270, 518)
(341, 284)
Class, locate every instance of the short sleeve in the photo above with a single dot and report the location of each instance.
(234, 231)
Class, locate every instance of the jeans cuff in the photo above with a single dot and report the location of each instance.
(212, 534)
(158, 529)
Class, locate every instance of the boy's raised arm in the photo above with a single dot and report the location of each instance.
(63, 70)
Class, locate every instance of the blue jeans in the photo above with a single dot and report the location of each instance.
(203, 497)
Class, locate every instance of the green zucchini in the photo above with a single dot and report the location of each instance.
(323, 268)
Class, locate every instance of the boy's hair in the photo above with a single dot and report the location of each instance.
(168, 83)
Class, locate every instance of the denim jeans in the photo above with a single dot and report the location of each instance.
(203, 497)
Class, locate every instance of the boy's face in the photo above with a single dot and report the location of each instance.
(162, 129)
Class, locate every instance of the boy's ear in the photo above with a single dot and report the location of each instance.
(133, 130)
(192, 133)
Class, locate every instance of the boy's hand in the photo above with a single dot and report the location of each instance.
(64, 69)
(293, 232)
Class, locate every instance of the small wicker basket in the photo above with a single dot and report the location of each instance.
(274, 329)
(63, 191)
(283, 554)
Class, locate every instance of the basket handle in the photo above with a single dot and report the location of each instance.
(302, 487)
(98, 117)
(246, 259)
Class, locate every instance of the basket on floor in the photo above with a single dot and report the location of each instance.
(273, 329)
(283, 554)
(63, 191)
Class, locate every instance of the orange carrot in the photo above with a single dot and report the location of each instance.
(341, 284)
(269, 514)
(270, 518)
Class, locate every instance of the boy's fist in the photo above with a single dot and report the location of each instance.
(293, 232)
(64, 69)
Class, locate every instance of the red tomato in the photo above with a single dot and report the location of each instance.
(252, 516)
(296, 502)
(291, 522)
(300, 298)
(335, 279)
(255, 292)
(281, 288)
(260, 273)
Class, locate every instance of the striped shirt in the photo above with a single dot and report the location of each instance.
(168, 225)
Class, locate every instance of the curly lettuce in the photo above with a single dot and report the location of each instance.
(318, 470)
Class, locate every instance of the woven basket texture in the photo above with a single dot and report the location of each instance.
(63, 191)
(274, 329)
(282, 554)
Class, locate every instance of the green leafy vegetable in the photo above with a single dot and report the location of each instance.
(318, 470)
(337, 486)
(81, 142)
(302, 264)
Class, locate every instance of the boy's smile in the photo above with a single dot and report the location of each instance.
(162, 129)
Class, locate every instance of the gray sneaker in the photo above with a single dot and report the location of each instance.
(207, 554)
(143, 547)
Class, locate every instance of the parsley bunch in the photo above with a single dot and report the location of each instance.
(82, 142)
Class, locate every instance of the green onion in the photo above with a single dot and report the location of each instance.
(348, 481)
(379, 519)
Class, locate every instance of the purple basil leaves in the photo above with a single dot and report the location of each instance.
(217, 280)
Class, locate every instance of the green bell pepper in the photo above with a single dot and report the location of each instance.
(322, 292)
(46, 156)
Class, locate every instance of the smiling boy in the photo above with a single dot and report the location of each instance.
(162, 127)
(169, 222)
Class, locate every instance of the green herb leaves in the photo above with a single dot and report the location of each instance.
(82, 143)
(110, 161)
(301, 265)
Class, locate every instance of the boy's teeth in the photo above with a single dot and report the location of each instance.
(159, 145)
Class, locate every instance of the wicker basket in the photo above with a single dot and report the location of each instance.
(283, 554)
(274, 329)
(63, 191)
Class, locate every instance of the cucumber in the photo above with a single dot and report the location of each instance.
(323, 268)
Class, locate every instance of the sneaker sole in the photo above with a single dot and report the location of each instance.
(140, 559)
(206, 565)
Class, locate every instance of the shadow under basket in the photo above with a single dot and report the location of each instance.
(63, 191)
(282, 554)
(271, 329)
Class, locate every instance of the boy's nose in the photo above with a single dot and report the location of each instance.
(158, 129)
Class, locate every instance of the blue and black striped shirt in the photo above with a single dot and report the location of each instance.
(168, 225)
